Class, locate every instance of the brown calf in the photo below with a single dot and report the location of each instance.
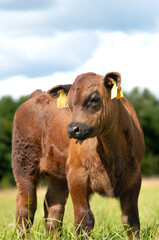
(103, 156)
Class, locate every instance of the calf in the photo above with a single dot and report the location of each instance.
(103, 155)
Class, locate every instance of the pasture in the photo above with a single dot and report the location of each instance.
(106, 211)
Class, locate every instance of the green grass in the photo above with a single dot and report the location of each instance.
(106, 211)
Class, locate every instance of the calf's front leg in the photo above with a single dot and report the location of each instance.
(78, 188)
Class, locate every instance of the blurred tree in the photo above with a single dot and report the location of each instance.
(147, 108)
(7, 109)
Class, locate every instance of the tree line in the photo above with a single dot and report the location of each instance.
(145, 104)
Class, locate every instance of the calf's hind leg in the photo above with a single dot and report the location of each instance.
(129, 206)
(26, 204)
(25, 163)
(54, 204)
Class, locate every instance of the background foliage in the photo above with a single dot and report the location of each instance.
(8, 107)
(147, 108)
(145, 104)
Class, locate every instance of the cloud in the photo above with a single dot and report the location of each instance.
(39, 38)
(47, 17)
(35, 57)
(24, 5)
(135, 57)
(20, 86)
(116, 15)
(42, 40)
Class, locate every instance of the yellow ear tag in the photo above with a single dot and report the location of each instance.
(114, 90)
(119, 94)
(62, 100)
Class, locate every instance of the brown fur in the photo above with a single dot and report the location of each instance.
(35, 93)
(106, 159)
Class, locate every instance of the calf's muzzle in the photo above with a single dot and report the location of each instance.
(78, 131)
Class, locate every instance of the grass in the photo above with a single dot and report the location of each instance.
(106, 211)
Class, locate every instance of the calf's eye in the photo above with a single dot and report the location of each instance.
(92, 102)
(95, 100)
(95, 103)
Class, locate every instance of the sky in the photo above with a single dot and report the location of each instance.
(44, 43)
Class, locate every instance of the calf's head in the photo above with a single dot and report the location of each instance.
(89, 98)
(93, 110)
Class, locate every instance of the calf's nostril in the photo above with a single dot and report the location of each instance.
(76, 129)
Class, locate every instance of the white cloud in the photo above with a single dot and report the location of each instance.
(20, 86)
(24, 5)
(33, 56)
(134, 56)
(55, 40)
(37, 18)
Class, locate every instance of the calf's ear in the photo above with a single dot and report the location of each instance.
(55, 91)
(110, 78)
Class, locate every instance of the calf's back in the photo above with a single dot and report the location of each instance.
(40, 141)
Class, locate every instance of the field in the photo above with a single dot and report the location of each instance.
(106, 211)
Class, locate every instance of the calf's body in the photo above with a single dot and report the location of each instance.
(103, 155)
(40, 145)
